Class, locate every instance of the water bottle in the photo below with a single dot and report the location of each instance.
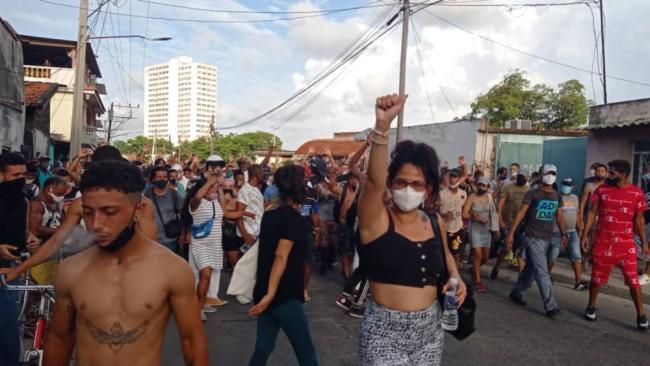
(450, 313)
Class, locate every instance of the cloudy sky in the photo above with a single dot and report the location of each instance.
(262, 64)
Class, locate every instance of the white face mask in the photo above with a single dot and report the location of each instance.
(407, 199)
(57, 199)
(549, 179)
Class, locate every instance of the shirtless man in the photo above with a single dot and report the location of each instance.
(107, 303)
(146, 225)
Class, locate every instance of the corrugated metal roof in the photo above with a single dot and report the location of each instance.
(621, 124)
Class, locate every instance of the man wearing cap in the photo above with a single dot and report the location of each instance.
(452, 200)
(175, 181)
(44, 173)
(572, 221)
(540, 210)
(510, 201)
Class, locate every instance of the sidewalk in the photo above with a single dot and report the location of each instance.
(563, 273)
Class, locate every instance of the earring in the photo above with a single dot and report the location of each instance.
(136, 218)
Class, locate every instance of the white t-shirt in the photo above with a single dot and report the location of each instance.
(453, 202)
(254, 201)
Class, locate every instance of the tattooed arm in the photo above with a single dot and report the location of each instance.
(60, 339)
(185, 306)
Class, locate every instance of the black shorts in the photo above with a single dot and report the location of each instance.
(346, 240)
(232, 244)
(455, 241)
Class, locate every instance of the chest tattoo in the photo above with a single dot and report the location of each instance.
(115, 337)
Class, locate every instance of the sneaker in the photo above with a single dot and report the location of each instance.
(509, 256)
(580, 285)
(644, 280)
(306, 295)
(495, 273)
(357, 313)
(517, 299)
(211, 301)
(590, 314)
(208, 309)
(642, 322)
(479, 287)
(242, 300)
(553, 312)
(343, 301)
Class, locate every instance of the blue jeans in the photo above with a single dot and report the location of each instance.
(573, 248)
(289, 316)
(536, 269)
(9, 334)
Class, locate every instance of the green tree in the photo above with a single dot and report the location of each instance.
(141, 146)
(514, 98)
(230, 146)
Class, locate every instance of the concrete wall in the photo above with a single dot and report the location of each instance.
(604, 145)
(449, 139)
(620, 113)
(12, 94)
(61, 113)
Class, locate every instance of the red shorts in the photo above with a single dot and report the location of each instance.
(606, 256)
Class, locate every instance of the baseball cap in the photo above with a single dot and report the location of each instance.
(177, 167)
(549, 168)
(455, 172)
(484, 181)
(568, 182)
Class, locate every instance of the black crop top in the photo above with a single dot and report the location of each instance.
(394, 259)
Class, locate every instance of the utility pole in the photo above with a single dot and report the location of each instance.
(110, 124)
(406, 10)
(111, 118)
(212, 128)
(602, 39)
(78, 116)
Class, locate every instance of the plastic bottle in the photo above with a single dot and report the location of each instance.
(450, 313)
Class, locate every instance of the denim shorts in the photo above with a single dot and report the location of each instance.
(573, 248)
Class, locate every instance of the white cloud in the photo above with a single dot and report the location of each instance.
(262, 64)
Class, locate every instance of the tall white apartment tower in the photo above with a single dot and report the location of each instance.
(180, 99)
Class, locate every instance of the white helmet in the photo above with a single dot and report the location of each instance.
(215, 160)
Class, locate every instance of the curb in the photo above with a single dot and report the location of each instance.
(621, 292)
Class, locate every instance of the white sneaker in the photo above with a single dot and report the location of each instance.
(208, 309)
(644, 279)
(243, 300)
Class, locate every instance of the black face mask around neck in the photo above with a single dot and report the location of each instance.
(124, 236)
(613, 181)
(13, 188)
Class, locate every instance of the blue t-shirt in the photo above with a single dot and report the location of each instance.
(271, 194)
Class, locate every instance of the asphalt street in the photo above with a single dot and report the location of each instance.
(507, 334)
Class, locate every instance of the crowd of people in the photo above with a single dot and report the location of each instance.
(389, 223)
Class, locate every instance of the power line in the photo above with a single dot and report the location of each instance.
(522, 5)
(323, 74)
(424, 76)
(313, 99)
(217, 21)
(223, 11)
(525, 53)
(146, 34)
(442, 90)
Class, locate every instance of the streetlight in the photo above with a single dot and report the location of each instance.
(157, 39)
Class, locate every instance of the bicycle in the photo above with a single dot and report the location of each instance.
(34, 355)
